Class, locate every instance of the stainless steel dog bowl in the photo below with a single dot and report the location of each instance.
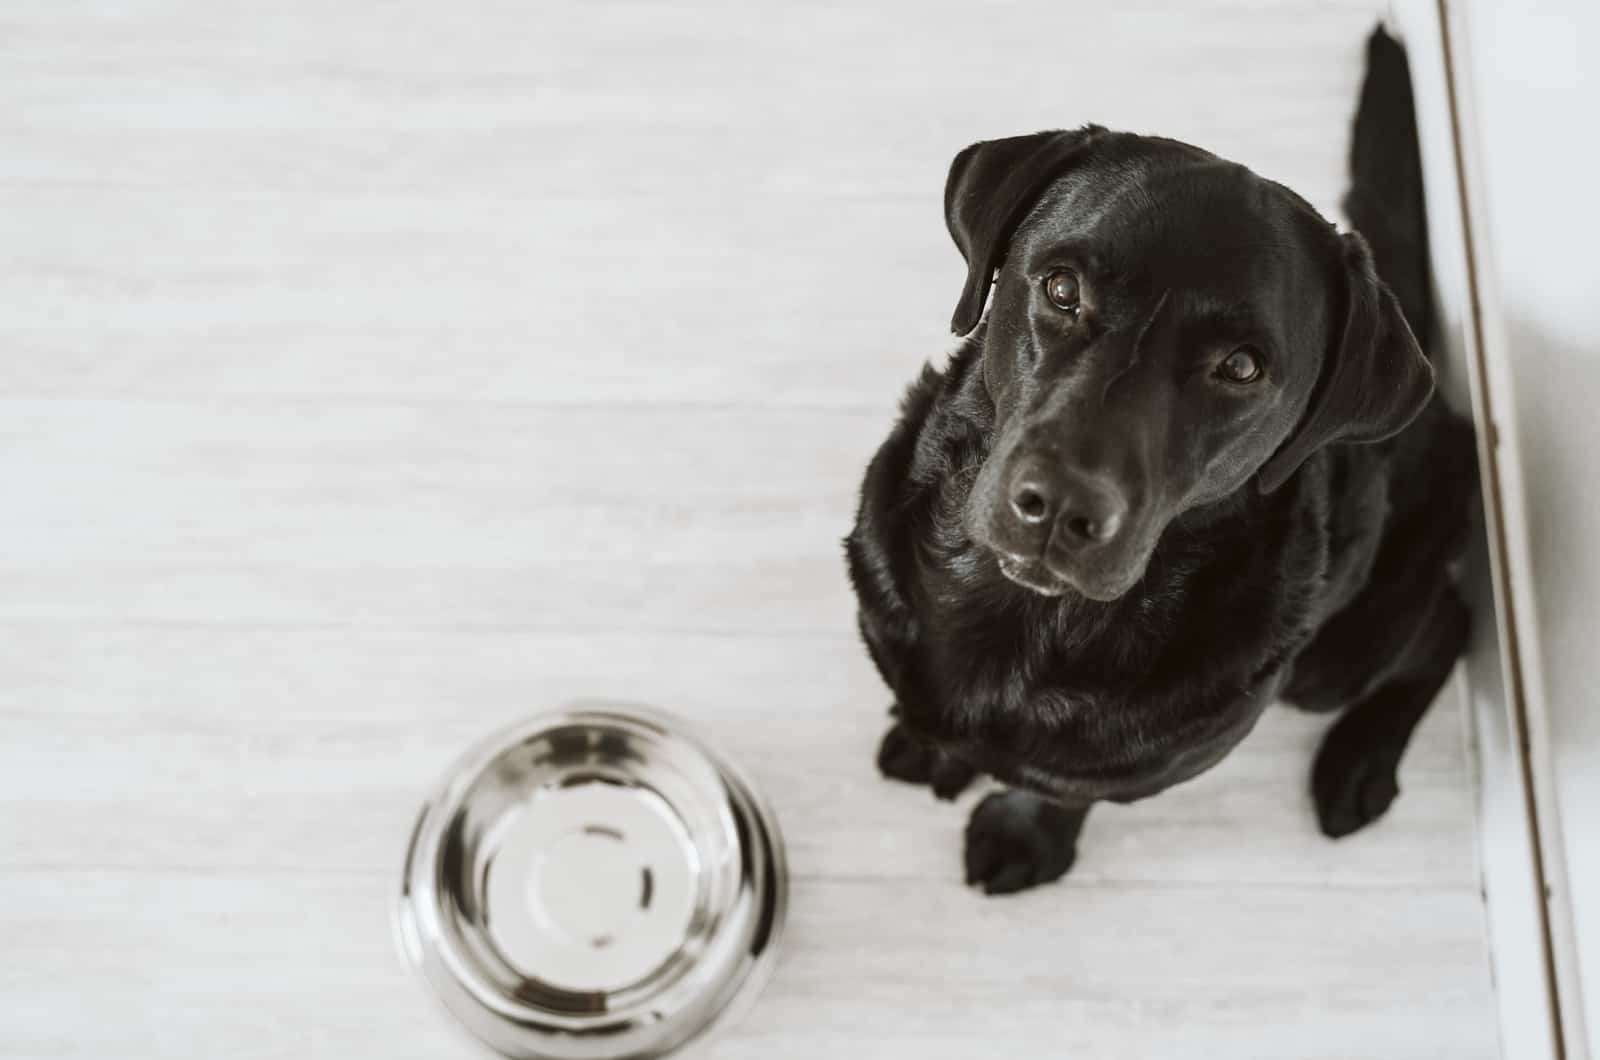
(595, 884)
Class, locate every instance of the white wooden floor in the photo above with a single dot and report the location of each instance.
(372, 374)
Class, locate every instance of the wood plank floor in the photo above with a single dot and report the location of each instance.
(373, 374)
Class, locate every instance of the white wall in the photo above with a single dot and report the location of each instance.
(1535, 90)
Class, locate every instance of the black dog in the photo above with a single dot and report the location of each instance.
(1187, 464)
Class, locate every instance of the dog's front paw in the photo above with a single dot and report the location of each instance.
(1353, 780)
(1016, 840)
(902, 756)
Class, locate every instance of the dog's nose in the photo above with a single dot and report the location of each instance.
(1090, 526)
(1083, 512)
(1034, 501)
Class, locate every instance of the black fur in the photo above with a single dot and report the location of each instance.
(1291, 539)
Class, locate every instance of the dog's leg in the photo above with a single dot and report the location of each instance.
(1367, 643)
(1016, 840)
(1354, 778)
(902, 756)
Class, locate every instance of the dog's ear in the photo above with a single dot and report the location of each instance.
(991, 187)
(1374, 379)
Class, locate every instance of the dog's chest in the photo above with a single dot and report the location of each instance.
(1088, 700)
(1078, 725)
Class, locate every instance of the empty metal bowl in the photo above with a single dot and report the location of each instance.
(595, 884)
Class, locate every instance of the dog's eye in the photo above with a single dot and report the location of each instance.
(1062, 290)
(1240, 367)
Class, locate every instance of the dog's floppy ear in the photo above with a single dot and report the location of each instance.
(1374, 379)
(991, 187)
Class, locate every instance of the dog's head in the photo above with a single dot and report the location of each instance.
(1165, 327)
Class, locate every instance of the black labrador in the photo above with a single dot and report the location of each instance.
(1189, 463)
